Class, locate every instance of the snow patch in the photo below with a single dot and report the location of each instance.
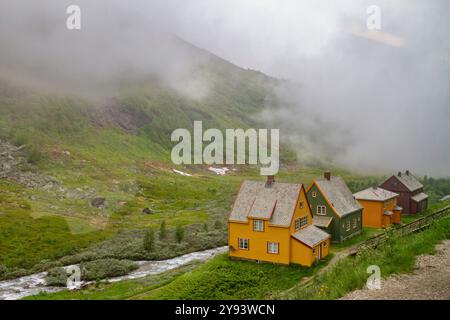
(182, 173)
(220, 171)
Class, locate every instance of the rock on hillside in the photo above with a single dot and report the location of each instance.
(14, 166)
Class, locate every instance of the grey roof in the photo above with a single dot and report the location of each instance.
(388, 213)
(322, 221)
(398, 208)
(311, 236)
(419, 197)
(375, 194)
(275, 203)
(409, 181)
(338, 195)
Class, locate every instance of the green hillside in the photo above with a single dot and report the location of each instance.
(60, 152)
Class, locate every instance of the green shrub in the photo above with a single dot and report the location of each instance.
(56, 277)
(3, 271)
(179, 233)
(19, 141)
(162, 230)
(34, 155)
(149, 240)
(105, 268)
(218, 225)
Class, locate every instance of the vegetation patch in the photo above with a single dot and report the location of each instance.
(128, 289)
(397, 255)
(92, 270)
(27, 243)
(222, 278)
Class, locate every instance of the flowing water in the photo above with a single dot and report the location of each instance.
(35, 283)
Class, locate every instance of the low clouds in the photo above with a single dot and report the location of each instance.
(116, 46)
(377, 101)
(371, 101)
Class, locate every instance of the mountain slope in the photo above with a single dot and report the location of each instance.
(69, 150)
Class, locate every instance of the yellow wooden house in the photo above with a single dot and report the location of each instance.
(380, 208)
(272, 222)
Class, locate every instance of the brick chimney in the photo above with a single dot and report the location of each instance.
(407, 172)
(327, 175)
(399, 173)
(270, 181)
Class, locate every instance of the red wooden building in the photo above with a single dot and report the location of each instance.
(412, 198)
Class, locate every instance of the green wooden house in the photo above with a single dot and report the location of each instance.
(334, 208)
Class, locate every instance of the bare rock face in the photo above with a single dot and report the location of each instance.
(98, 202)
(125, 117)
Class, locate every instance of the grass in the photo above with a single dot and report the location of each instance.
(365, 234)
(220, 278)
(223, 278)
(398, 255)
(26, 241)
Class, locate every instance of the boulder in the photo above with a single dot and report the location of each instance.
(98, 202)
(147, 211)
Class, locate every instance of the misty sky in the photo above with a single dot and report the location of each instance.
(378, 101)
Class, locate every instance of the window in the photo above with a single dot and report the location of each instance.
(348, 226)
(243, 244)
(324, 244)
(354, 223)
(314, 194)
(301, 204)
(321, 210)
(272, 247)
(297, 224)
(301, 222)
(258, 225)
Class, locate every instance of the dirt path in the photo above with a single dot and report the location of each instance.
(430, 280)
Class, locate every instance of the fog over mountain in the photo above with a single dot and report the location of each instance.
(371, 100)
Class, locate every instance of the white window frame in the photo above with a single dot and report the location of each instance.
(314, 194)
(258, 225)
(300, 222)
(243, 244)
(320, 212)
(303, 221)
(273, 247)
